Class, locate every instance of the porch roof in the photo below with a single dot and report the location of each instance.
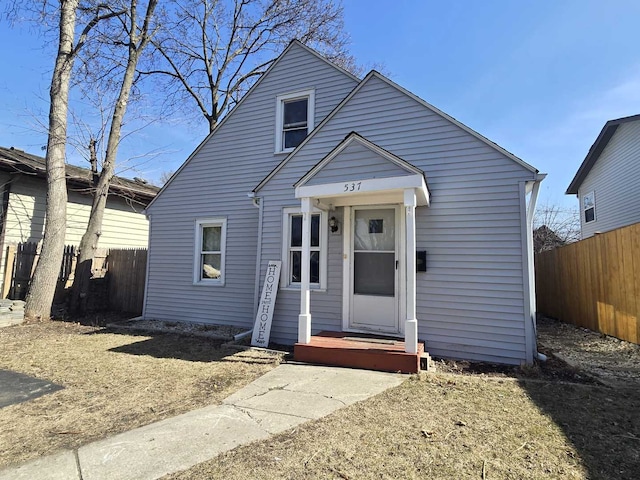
(358, 171)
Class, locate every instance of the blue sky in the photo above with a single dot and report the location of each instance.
(538, 77)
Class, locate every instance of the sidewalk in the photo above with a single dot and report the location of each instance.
(287, 396)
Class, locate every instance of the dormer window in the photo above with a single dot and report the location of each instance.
(294, 119)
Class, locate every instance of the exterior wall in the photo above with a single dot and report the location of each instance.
(215, 183)
(471, 301)
(348, 165)
(124, 224)
(614, 178)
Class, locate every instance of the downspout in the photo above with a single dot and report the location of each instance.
(146, 279)
(535, 189)
(258, 203)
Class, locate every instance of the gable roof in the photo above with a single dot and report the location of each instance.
(596, 149)
(351, 138)
(392, 84)
(13, 160)
(245, 96)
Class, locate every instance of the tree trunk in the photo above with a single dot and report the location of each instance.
(43, 285)
(91, 237)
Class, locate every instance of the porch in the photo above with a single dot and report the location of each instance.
(346, 349)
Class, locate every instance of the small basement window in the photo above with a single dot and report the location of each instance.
(209, 265)
(294, 119)
(589, 207)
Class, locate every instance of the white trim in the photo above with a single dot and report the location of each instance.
(368, 186)
(584, 209)
(197, 274)
(287, 212)
(526, 274)
(310, 96)
(354, 137)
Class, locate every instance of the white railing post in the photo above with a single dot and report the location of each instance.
(411, 323)
(304, 319)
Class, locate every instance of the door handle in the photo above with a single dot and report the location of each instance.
(396, 264)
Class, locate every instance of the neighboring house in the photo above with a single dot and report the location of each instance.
(608, 181)
(23, 186)
(347, 181)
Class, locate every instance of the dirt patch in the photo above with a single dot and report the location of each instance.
(113, 382)
(613, 361)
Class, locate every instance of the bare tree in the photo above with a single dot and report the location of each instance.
(134, 32)
(554, 226)
(165, 176)
(43, 284)
(211, 51)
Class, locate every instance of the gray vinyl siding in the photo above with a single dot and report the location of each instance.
(347, 166)
(214, 183)
(615, 180)
(471, 301)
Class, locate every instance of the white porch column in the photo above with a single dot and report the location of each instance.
(304, 319)
(411, 323)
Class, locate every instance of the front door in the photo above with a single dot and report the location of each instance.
(374, 269)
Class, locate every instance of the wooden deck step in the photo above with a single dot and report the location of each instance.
(345, 349)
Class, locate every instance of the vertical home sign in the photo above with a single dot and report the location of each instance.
(262, 327)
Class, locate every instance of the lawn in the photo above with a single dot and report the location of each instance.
(113, 382)
(443, 426)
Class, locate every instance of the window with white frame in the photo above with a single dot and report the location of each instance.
(292, 249)
(294, 119)
(589, 207)
(209, 265)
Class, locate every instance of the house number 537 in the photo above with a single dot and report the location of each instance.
(352, 187)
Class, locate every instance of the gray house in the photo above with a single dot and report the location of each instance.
(608, 179)
(390, 218)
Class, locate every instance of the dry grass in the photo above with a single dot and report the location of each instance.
(113, 382)
(444, 426)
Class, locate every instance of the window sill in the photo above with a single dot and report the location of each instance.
(297, 289)
(284, 152)
(204, 283)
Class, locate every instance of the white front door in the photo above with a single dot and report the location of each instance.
(374, 269)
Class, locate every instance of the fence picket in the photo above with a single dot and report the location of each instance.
(594, 283)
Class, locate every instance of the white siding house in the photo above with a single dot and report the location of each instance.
(23, 189)
(608, 180)
(376, 175)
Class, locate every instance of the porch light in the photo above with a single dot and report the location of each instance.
(333, 224)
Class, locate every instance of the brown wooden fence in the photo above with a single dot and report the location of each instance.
(594, 283)
(124, 268)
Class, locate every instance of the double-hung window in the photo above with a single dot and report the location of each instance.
(209, 265)
(589, 207)
(294, 119)
(292, 249)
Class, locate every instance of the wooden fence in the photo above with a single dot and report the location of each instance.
(125, 270)
(594, 283)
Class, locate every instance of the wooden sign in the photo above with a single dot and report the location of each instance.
(262, 327)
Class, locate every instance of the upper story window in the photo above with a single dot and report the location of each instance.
(209, 266)
(294, 119)
(589, 207)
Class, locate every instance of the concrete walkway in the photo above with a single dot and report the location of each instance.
(287, 396)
